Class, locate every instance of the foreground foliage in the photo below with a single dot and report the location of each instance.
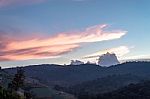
(5, 94)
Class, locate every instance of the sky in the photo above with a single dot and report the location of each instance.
(57, 31)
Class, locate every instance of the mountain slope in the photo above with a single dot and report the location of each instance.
(132, 91)
(71, 75)
(103, 85)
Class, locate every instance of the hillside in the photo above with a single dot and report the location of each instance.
(31, 86)
(103, 85)
(86, 80)
(72, 75)
(132, 91)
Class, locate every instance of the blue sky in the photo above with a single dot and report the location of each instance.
(39, 19)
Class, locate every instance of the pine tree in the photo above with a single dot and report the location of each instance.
(18, 80)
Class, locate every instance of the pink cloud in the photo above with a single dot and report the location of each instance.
(51, 46)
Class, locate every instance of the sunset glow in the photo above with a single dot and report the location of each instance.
(55, 45)
(57, 31)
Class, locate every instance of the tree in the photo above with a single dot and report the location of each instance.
(18, 80)
(5, 94)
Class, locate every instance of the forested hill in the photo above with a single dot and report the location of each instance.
(132, 91)
(71, 75)
(102, 85)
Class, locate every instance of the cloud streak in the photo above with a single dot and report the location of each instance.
(119, 51)
(52, 46)
(137, 57)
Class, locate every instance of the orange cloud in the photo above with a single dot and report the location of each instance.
(35, 53)
(50, 46)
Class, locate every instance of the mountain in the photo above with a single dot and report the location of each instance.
(33, 86)
(103, 85)
(69, 75)
(85, 79)
(108, 59)
(132, 91)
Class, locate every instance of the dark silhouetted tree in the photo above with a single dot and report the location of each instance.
(18, 80)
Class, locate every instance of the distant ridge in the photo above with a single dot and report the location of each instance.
(72, 74)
